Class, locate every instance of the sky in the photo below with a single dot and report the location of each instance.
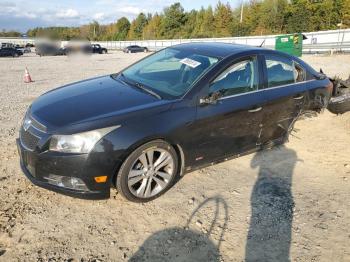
(21, 15)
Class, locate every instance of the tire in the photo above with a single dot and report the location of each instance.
(340, 102)
(15, 55)
(129, 51)
(136, 184)
(145, 50)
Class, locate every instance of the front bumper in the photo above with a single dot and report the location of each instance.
(36, 165)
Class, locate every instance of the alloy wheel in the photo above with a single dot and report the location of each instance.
(151, 173)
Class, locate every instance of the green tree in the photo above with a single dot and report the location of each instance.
(251, 22)
(223, 20)
(5, 33)
(208, 24)
(188, 28)
(272, 16)
(173, 21)
(325, 15)
(259, 17)
(204, 24)
(122, 28)
(152, 29)
(92, 31)
(137, 26)
(298, 16)
(345, 13)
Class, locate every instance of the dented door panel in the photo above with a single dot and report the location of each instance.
(232, 126)
(280, 115)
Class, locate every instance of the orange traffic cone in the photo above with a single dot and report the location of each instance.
(27, 78)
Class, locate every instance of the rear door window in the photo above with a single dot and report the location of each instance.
(280, 71)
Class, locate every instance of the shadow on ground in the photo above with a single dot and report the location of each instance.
(2, 250)
(269, 235)
(184, 244)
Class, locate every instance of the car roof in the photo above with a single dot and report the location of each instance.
(215, 49)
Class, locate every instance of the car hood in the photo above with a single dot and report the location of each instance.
(89, 100)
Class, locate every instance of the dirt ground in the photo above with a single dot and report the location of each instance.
(289, 203)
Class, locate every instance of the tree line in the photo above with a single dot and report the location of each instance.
(256, 17)
(11, 33)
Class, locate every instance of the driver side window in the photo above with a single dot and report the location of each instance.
(239, 78)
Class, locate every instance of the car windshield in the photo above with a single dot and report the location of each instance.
(169, 72)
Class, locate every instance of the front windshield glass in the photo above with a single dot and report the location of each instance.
(169, 72)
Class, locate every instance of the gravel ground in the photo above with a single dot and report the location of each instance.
(289, 203)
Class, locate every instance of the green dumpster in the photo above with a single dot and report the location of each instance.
(291, 44)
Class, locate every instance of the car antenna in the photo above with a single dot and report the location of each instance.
(262, 43)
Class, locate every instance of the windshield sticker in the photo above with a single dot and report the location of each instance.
(190, 62)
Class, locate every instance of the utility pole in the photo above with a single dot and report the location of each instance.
(241, 20)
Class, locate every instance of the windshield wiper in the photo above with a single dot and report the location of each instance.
(140, 86)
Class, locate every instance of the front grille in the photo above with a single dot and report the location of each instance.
(28, 140)
(36, 124)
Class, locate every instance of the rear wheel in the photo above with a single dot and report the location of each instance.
(148, 172)
(15, 55)
(340, 102)
(129, 51)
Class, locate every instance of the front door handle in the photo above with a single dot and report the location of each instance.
(298, 97)
(257, 109)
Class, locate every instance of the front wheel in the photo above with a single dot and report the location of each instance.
(148, 172)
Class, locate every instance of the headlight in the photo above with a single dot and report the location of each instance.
(78, 143)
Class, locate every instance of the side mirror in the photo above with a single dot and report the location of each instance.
(211, 99)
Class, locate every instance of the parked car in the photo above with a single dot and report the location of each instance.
(29, 45)
(85, 49)
(23, 49)
(78, 48)
(135, 49)
(182, 108)
(7, 45)
(49, 50)
(98, 49)
(10, 51)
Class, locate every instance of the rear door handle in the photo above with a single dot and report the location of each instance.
(257, 109)
(298, 97)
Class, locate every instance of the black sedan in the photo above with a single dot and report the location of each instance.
(10, 51)
(85, 49)
(98, 49)
(135, 49)
(49, 50)
(175, 111)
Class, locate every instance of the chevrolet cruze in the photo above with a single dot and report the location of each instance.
(176, 110)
